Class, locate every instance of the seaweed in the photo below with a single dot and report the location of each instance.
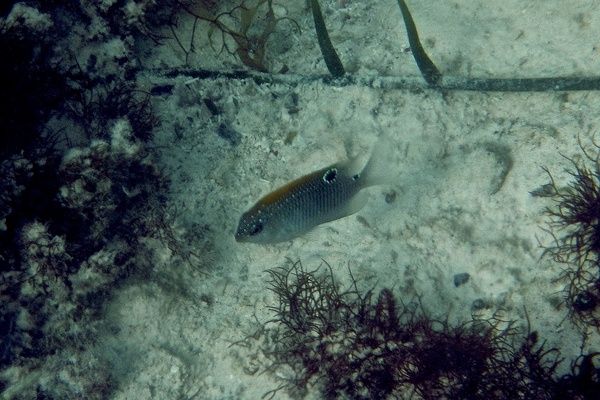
(99, 106)
(332, 60)
(578, 212)
(354, 345)
(575, 223)
(428, 69)
(250, 48)
(583, 381)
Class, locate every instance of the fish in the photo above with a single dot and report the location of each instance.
(323, 196)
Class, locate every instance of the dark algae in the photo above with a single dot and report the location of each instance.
(350, 344)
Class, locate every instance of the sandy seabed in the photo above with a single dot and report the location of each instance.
(466, 164)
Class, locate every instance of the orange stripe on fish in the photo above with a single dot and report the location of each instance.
(282, 191)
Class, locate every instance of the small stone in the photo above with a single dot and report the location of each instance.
(390, 196)
(479, 305)
(461, 279)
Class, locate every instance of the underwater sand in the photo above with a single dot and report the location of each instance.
(466, 162)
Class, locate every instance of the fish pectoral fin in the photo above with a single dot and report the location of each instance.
(353, 206)
(357, 203)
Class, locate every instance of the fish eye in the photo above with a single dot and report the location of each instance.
(256, 229)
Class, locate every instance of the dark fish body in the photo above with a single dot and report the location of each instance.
(298, 207)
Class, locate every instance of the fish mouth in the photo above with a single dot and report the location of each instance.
(240, 238)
